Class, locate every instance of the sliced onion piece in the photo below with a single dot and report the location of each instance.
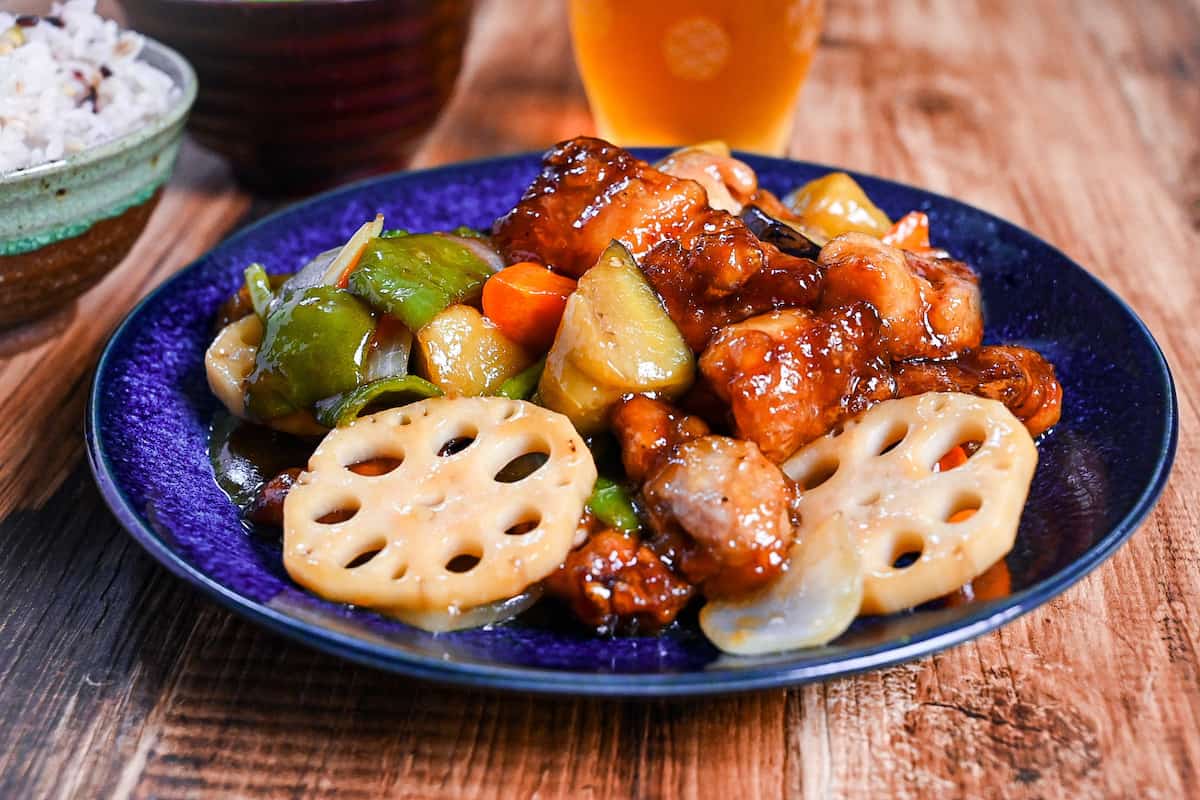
(478, 617)
(711, 165)
(352, 251)
(392, 348)
(312, 273)
(481, 247)
(809, 605)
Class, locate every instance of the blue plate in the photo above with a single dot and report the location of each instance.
(1100, 472)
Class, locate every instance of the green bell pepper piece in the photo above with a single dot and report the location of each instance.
(415, 277)
(611, 504)
(314, 345)
(522, 385)
(340, 410)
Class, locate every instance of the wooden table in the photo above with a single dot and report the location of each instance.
(1079, 119)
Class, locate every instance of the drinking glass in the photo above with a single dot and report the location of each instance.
(669, 72)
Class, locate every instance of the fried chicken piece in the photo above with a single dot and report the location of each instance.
(590, 192)
(789, 376)
(267, 506)
(929, 307)
(728, 535)
(723, 512)
(1018, 377)
(725, 278)
(616, 585)
(648, 430)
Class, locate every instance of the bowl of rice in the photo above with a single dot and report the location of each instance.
(91, 118)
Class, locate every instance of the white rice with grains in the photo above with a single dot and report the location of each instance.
(71, 80)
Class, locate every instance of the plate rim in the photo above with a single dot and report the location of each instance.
(988, 617)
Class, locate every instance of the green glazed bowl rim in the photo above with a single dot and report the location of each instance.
(187, 84)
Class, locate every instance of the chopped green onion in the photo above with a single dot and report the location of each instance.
(258, 286)
(611, 504)
(341, 410)
(393, 233)
(522, 385)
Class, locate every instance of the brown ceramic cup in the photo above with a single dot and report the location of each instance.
(305, 94)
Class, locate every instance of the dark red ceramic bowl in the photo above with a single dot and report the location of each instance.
(305, 94)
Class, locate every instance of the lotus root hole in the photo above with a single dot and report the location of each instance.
(374, 467)
(465, 561)
(525, 522)
(364, 558)
(338, 515)
(400, 572)
(964, 507)
(970, 436)
(524, 465)
(870, 499)
(458, 442)
(893, 435)
(818, 473)
(907, 550)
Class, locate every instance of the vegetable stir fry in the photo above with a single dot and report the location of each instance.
(691, 347)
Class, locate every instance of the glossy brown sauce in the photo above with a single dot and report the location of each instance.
(245, 457)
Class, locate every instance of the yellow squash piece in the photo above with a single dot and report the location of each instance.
(615, 338)
(836, 204)
(466, 355)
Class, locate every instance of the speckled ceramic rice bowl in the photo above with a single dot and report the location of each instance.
(66, 223)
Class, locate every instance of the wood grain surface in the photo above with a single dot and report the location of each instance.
(1079, 119)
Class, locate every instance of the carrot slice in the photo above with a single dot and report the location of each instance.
(955, 457)
(994, 583)
(911, 232)
(526, 301)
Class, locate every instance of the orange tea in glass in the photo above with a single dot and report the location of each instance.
(668, 72)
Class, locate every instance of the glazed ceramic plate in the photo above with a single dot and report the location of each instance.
(1101, 469)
